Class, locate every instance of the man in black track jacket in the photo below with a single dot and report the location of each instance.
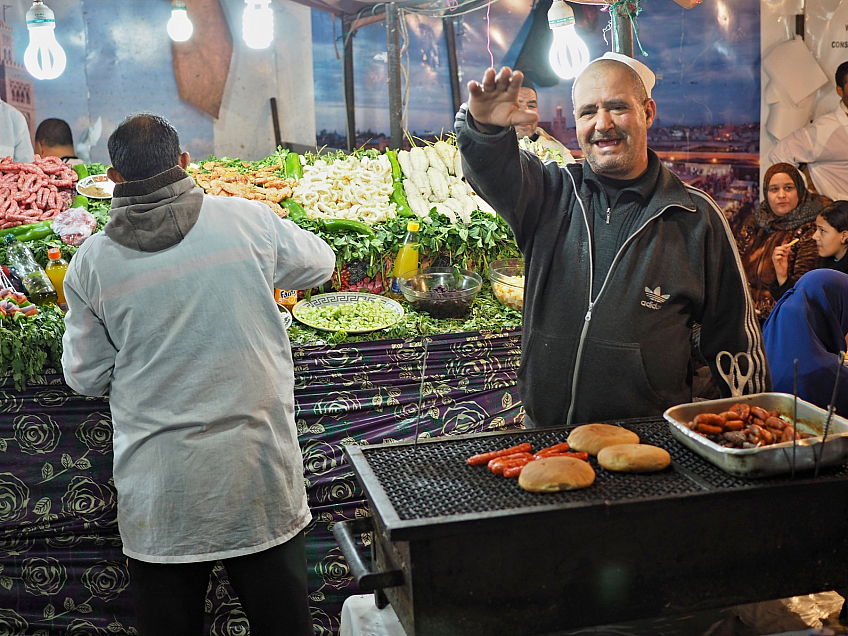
(622, 259)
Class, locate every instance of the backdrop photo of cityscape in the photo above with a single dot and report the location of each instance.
(706, 59)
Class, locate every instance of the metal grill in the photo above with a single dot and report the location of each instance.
(435, 481)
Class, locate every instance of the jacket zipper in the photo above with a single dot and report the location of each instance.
(588, 317)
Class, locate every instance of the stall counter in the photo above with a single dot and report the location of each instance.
(62, 570)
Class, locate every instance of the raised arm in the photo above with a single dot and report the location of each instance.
(493, 103)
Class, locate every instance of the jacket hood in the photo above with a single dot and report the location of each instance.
(154, 214)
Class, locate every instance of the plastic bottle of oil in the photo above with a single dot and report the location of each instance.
(56, 269)
(39, 290)
(407, 256)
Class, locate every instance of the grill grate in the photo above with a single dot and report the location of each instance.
(435, 481)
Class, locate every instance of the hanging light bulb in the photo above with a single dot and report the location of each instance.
(44, 58)
(569, 54)
(258, 24)
(180, 27)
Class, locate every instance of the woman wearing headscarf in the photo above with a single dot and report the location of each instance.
(809, 324)
(788, 212)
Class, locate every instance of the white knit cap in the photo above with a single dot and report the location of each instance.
(645, 74)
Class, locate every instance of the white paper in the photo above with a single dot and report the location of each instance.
(784, 117)
(792, 67)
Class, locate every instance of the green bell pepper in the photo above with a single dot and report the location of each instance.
(81, 170)
(80, 201)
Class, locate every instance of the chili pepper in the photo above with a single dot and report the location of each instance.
(293, 168)
(80, 201)
(296, 211)
(399, 199)
(23, 229)
(397, 173)
(341, 225)
(37, 233)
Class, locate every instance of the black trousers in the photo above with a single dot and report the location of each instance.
(271, 586)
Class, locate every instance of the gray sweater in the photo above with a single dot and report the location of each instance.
(172, 315)
(624, 349)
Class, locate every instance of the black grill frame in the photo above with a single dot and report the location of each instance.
(428, 489)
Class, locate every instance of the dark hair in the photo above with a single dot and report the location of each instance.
(144, 145)
(54, 132)
(837, 215)
(528, 83)
(842, 74)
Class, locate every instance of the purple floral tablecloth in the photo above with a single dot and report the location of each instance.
(62, 571)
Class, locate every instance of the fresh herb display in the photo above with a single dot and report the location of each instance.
(29, 346)
(364, 257)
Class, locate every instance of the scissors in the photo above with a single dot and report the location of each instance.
(734, 378)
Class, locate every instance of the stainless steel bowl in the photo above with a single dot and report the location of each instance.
(764, 461)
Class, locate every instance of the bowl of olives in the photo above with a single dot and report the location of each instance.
(442, 292)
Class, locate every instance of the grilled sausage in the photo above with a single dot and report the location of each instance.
(708, 429)
(760, 413)
(710, 419)
(734, 425)
(483, 458)
(742, 409)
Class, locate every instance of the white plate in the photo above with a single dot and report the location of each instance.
(101, 181)
(345, 298)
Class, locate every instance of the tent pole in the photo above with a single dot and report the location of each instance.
(622, 30)
(393, 62)
(347, 34)
(453, 65)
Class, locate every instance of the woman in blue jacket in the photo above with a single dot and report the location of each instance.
(809, 323)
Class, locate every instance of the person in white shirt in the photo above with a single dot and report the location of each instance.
(822, 146)
(172, 315)
(14, 134)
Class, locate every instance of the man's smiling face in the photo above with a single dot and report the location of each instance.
(613, 115)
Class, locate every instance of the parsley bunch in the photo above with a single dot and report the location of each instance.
(31, 345)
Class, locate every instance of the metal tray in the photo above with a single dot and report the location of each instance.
(767, 460)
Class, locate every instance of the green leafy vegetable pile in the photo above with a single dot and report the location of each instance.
(29, 346)
(26, 351)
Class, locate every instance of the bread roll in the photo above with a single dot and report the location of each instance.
(634, 458)
(591, 438)
(552, 474)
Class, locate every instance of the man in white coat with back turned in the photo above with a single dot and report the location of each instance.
(172, 316)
